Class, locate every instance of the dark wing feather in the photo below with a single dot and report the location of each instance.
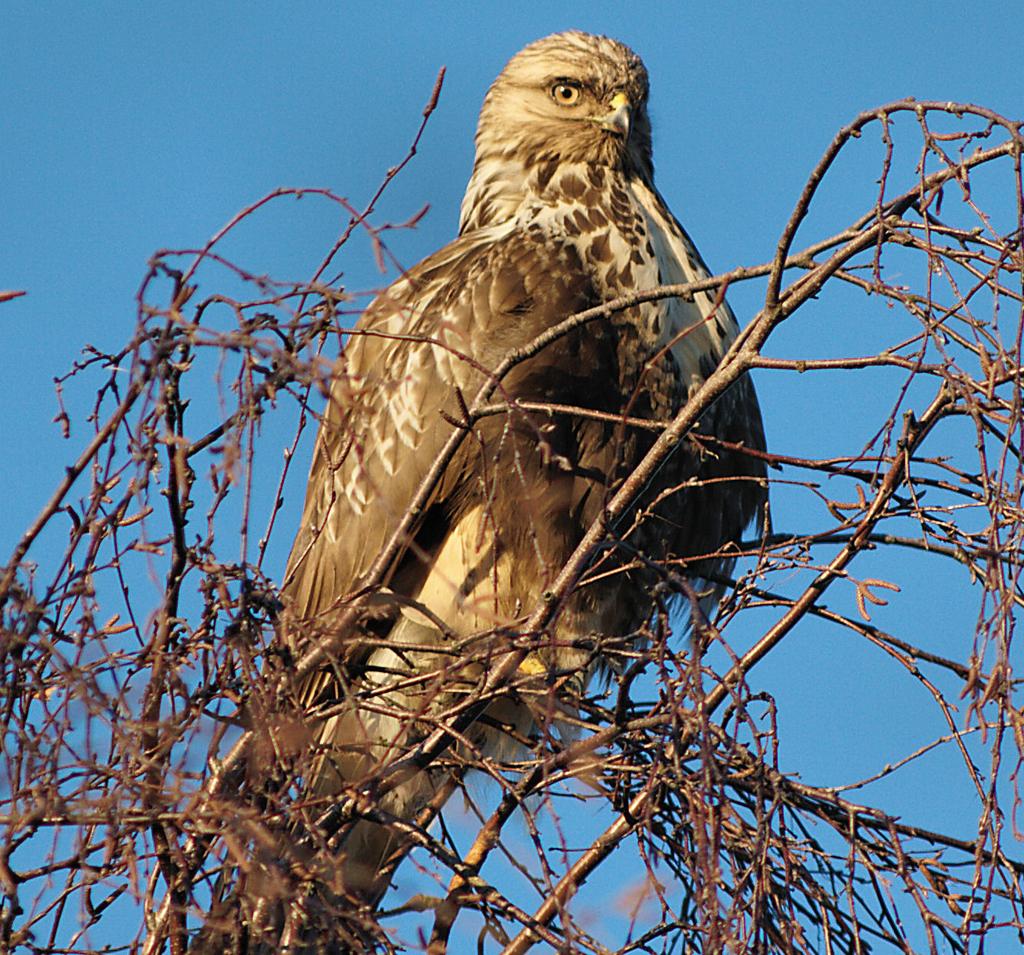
(431, 334)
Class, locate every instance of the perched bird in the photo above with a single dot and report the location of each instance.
(561, 214)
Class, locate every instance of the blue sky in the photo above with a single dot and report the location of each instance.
(127, 128)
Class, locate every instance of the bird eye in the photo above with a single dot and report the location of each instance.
(565, 93)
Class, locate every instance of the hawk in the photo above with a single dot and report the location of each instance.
(561, 214)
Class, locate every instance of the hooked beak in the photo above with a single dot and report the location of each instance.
(617, 121)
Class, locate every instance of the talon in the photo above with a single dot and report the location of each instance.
(533, 666)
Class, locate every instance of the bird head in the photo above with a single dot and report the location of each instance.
(567, 98)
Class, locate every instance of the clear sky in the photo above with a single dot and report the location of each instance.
(130, 127)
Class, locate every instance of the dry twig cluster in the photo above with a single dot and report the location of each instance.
(145, 755)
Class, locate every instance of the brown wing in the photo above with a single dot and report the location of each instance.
(727, 487)
(430, 335)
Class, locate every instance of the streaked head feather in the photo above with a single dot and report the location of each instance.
(523, 127)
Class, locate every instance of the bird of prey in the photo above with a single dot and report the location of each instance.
(561, 214)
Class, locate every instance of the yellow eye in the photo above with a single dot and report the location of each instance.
(565, 93)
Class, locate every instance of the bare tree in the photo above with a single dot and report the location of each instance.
(148, 760)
